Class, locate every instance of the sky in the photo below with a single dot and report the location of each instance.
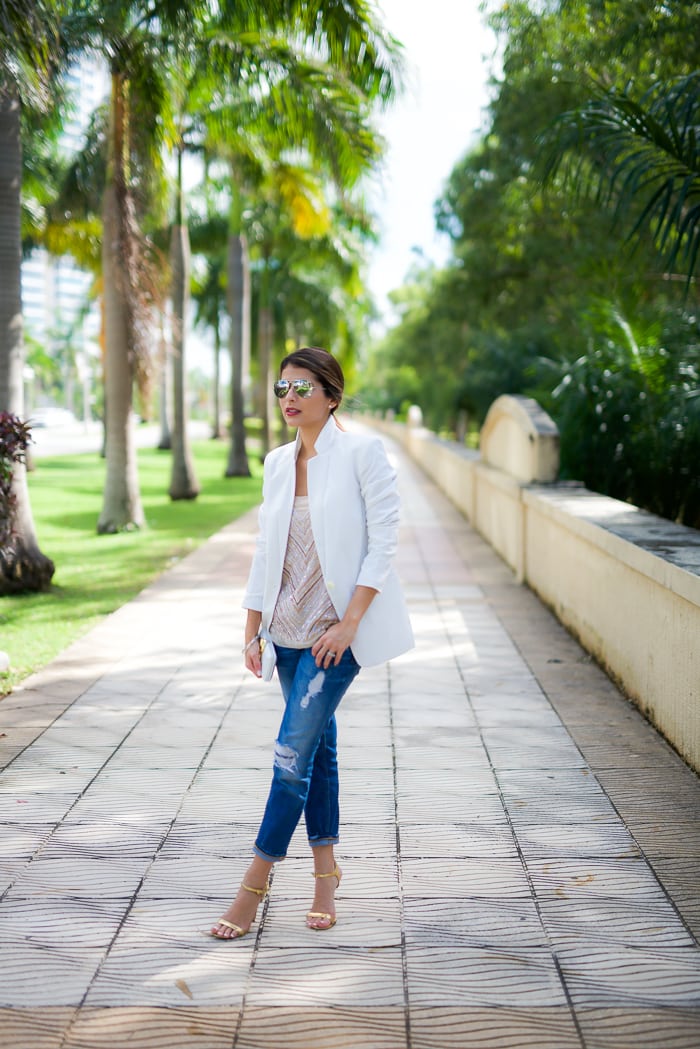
(447, 53)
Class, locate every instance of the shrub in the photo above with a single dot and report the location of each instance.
(14, 441)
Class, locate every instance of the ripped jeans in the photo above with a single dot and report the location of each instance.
(305, 774)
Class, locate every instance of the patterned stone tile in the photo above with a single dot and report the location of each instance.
(225, 839)
(494, 1027)
(369, 808)
(86, 877)
(453, 808)
(673, 1027)
(342, 976)
(365, 781)
(472, 923)
(40, 975)
(560, 840)
(606, 922)
(154, 1028)
(364, 878)
(362, 923)
(461, 878)
(134, 806)
(61, 922)
(661, 838)
(562, 807)
(55, 756)
(629, 976)
(436, 784)
(181, 921)
(20, 842)
(363, 757)
(581, 879)
(38, 1028)
(172, 976)
(366, 839)
(482, 976)
(536, 756)
(35, 808)
(514, 782)
(338, 1028)
(75, 840)
(486, 840)
(443, 759)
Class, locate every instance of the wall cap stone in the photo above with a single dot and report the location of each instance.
(520, 438)
(666, 552)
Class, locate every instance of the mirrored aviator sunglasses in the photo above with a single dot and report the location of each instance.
(302, 387)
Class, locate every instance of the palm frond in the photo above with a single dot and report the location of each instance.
(641, 157)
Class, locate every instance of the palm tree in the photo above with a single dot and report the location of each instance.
(300, 102)
(641, 156)
(131, 36)
(183, 482)
(28, 52)
(209, 293)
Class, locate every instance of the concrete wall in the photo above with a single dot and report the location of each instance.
(625, 582)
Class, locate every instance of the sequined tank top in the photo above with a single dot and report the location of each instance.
(304, 609)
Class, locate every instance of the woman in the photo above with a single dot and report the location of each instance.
(321, 587)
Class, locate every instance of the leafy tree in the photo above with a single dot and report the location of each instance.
(29, 51)
(641, 156)
(537, 273)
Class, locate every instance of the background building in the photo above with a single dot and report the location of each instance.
(56, 304)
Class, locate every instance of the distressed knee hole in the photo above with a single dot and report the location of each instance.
(286, 758)
(315, 686)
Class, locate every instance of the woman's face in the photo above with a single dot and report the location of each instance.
(311, 411)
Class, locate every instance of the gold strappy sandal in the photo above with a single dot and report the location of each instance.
(324, 915)
(232, 925)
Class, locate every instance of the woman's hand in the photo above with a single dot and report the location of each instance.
(331, 645)
(252, 656)
(329, 648)
(251, 650)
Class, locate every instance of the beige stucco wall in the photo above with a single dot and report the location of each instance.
(626, 583)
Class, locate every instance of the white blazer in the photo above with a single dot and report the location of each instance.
(354, 508)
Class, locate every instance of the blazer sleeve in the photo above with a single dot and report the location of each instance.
(255, 587)
(382, 506)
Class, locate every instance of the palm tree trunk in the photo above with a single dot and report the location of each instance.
(265, 331)
(165, 442)
(23, 567)
(183, 482)
(121, 508)
(239, 309)
(216, 399)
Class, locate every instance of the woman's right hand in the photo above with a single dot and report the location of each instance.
(252, 657)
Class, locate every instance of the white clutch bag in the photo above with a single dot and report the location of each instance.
(268, 658)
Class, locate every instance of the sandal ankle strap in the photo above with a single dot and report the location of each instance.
(257, 892)
(335, 873)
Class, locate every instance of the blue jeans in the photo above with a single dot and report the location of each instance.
(305, 771)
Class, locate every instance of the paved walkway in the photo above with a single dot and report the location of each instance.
(520, 848)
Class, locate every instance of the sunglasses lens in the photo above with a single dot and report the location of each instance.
(302, 387)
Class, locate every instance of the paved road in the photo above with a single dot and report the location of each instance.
(76, 438)
(520, 847)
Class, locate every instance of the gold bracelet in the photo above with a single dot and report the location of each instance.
(251, 642)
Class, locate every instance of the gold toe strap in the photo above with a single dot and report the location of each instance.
(231, 925)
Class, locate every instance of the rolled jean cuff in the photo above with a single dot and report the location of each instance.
(265, 856)
(316, 842)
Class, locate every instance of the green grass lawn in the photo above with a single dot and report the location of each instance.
(95, 574)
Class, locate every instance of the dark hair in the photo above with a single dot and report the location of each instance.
(323, 366)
